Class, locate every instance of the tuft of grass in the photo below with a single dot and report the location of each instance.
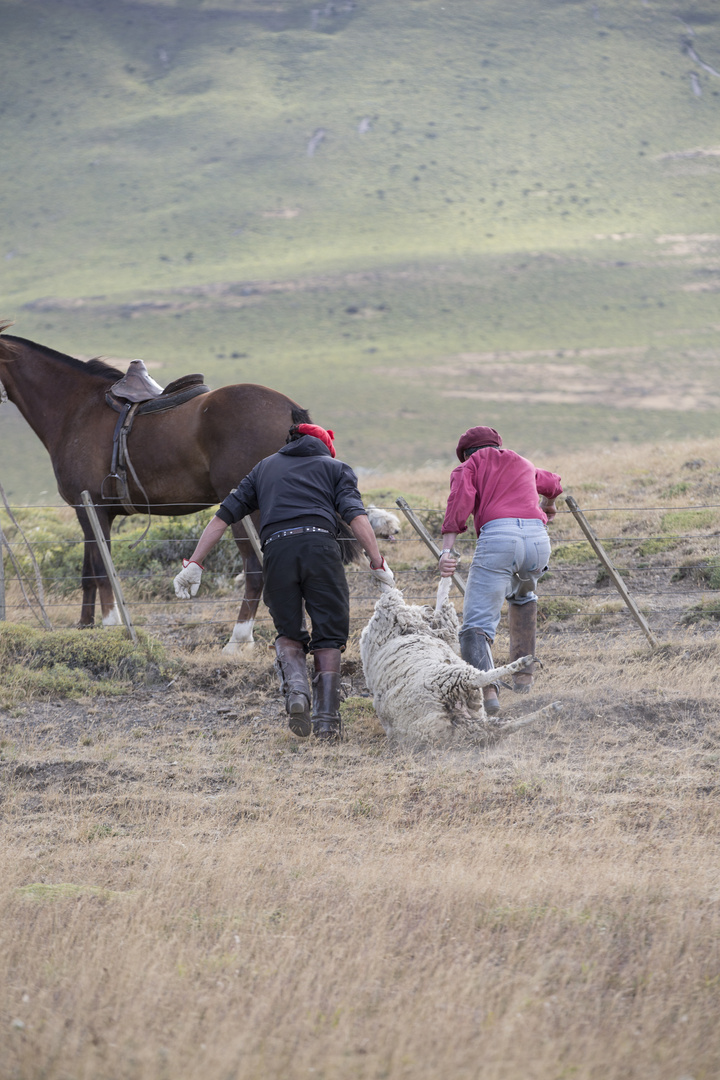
(687, 521)
(38, 663)
(673, 490)
(656, 545)
(359, 717)
(706, 610)
(65, 890)
(558, 608)
(573, 554)
(707, 573)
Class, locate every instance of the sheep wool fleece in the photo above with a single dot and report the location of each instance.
(423, 693)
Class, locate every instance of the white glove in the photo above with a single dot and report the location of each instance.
(188, 580)
(383, 574)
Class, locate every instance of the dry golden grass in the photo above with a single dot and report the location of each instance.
(187, 891)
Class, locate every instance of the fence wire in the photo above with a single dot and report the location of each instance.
(418, 582)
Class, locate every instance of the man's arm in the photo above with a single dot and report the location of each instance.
(362, 531)
(208, 539)
(187, 582)
(548, 507)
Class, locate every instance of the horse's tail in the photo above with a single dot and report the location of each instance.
(300, 416)
(350, 548)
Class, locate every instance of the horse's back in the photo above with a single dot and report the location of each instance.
(238, 425)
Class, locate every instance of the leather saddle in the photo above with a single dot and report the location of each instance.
(136, 394)
(138, 388)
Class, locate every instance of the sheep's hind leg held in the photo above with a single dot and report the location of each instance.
(475, 650)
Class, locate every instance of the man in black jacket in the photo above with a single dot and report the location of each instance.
(300, 491)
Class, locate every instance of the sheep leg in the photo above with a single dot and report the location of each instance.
(482, 678)
(507, 727)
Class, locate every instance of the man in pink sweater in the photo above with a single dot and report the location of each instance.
(511, 503)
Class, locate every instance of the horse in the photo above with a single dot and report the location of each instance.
(186, 459)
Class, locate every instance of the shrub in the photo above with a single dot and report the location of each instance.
(56, 540)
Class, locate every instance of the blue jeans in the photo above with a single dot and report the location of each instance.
(510, 556)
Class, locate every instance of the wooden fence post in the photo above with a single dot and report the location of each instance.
(109, 568)
(615, 577)
(252, 535)
(426, 537)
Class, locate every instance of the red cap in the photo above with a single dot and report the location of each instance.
(319, 433)
(477, 436)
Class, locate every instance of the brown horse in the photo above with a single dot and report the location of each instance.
(187, 458)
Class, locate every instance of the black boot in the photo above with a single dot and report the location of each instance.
(475, 650)
(292, 668)
(326, 724)
(522, 623)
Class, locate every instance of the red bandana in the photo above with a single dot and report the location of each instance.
(319, 433)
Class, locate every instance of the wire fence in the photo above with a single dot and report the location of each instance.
(151, 589)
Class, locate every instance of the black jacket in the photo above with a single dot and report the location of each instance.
(302, 484)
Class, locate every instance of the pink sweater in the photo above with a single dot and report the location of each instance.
(494, 484)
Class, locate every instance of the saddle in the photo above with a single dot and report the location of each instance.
(137, 394)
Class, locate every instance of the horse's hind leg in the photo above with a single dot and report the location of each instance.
(94, 578)
(89, 588)
(242, 635)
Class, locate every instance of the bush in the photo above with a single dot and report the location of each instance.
(146, 570)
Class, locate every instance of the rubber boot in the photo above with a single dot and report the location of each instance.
(522, 623)
(475, 650)
(291, 666)
(326, 723)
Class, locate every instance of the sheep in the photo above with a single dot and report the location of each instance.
(423, 693)
(385, 525)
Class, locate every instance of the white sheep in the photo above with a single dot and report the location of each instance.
(385, 525)
(422, 691)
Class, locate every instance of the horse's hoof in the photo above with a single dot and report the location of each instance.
(237, 648)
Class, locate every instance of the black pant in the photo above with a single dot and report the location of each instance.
(307, 566)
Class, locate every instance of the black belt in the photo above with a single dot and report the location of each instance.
(293, 532)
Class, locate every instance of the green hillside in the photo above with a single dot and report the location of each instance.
(410, 216)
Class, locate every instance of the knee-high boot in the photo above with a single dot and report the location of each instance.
(326, 723)
(291, 666)
(522, 623)
(475, 650)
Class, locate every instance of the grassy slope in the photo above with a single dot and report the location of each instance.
(511, 195)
